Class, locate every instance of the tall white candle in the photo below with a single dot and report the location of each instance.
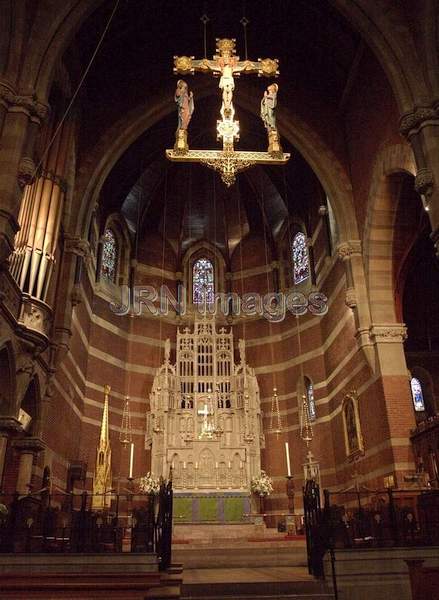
(131, 459)
(287, 453)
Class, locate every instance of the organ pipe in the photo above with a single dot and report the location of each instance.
(40, 216)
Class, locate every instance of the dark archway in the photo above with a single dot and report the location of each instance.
(7, 379)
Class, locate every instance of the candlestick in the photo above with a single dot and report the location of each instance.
(290, 494)
(131, 459)
(287, 453)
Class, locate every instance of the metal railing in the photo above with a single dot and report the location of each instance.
(363, 518)
(69, 523)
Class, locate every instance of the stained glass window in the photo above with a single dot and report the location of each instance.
(310, 399)
(203, 284)
(417, 395)
(109, 256)
(300, 258)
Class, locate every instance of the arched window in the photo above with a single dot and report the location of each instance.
(310, 399)
(417, 394)
(109, 256)
(203, 281)
(300, 258)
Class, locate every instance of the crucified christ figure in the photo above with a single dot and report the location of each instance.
(229, 66)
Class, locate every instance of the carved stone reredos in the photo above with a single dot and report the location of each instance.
(205, 416)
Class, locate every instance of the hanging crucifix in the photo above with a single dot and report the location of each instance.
(226, 64)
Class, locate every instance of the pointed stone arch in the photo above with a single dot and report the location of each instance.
(379, 229)
(115, 141)
(382, 27)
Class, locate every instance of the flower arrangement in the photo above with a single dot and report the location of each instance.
(262, 485)
(149, 484)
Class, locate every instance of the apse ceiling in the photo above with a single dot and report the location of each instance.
(316, 49)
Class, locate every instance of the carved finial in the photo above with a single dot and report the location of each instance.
(102, 480)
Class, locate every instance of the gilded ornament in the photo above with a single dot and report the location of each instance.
(269, 67)
(183, 64)
(227, 162)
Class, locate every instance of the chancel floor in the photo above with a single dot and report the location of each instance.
(257, 582)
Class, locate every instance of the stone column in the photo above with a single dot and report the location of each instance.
(312, 266)
(68, 292)
(20, 118)
(387, 339)
(28, 448)
(275, 266)
(421, 128)
(356, 293)
(8, 427)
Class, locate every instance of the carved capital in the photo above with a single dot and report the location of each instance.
(26, 170)
(323, 210)
(415, 118)
(424, 182)
(10, 425)
(29, 103)
(346, 250)
(30, 445)
(388, 333)
(78, 246)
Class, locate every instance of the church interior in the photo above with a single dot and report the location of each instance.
(219, 298)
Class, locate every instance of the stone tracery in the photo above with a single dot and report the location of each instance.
(205, 420)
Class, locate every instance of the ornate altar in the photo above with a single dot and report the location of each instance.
(205, 418)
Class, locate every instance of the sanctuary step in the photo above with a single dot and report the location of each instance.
(246, 545)
(88, 576)
(258, 584)
(242, 555)
(214, 533)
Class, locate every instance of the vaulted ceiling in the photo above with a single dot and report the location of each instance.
(317, 50)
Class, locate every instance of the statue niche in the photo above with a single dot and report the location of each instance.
(205, 415)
